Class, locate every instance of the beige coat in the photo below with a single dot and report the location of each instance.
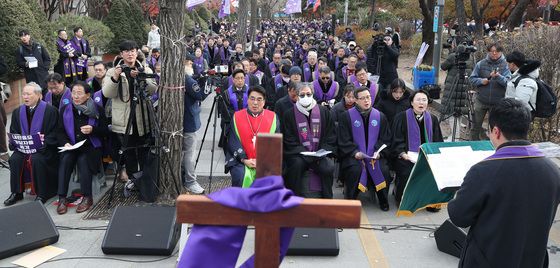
(121, 110)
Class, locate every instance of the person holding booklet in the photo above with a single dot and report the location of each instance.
(362, 132)
(308, 127)
(509, 200)
(412, 128)
(81, 122)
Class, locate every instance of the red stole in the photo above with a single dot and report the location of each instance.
(245, 130)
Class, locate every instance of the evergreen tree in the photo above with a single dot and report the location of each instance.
(16, 15)
(126, 22)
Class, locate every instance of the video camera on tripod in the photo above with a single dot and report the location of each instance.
(142, 75)
(379, 43)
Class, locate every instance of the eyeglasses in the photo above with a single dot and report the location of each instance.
(364, 98)
(257, 99)
(421, 100)
(326, 78)
(308, 95)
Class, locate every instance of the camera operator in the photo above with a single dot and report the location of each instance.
(386, 54)
(120, 86)
(458, 63)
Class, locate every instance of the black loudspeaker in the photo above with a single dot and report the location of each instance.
(314, 242)
(25, 227)
(450, 239)
(142, 231)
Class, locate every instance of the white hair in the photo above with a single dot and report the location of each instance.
(36, 88)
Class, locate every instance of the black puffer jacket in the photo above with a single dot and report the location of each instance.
(455, 90)
(391, 107)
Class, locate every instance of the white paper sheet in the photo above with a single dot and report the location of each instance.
(73, 147)
(32, 62)
(319, 153)
(450, 166)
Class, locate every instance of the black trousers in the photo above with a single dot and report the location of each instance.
(297, 165)
(68, 160)
(44, 166)
(134, 153)
(402, 170)
(351, 171)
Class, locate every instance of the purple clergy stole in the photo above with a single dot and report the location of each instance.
(68, 117)
(413, 129)
(309, 136)
(369, 166)
(233, 99)
(517, 151)
(36, 121)
(67, 63)
(320, 95)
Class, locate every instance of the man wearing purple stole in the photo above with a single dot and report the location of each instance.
(325, 89)
(509, 200)
(81, 120)
(361, 80)
(274, 66)
(337, 62)
(82, 52)
(37, 169)
(412, 128)
(310, 66)
(66, 55)
(362, 130)
(308, 127)
(58, 95)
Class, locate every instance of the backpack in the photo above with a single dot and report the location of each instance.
(546, 98)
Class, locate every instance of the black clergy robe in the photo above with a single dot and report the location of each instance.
(297, 165)
(400, 145)
(282, 105)
(44, 163)
(510, 206)
(350, 168)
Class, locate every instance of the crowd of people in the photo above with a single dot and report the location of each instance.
(297, 78)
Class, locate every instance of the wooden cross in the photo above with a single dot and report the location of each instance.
(325, 213)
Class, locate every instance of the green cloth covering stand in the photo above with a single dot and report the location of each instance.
(421, 190)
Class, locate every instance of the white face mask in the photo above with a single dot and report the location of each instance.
(305, 101)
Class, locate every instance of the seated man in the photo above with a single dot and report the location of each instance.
(34, 117)
(361, 80)
(81, 120)
(361, 132)
(326, 90)
(308, 128)
(58, 94)
(247, 123)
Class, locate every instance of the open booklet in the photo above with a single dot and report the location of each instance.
(320, 153)
(450, 166)
(73, 147)
(376, 153)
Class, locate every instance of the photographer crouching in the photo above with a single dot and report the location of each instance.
(382, 60)
(130, 119)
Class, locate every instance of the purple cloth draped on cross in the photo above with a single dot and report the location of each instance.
(219, 246)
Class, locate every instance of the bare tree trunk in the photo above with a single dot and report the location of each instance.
(478, 15)
(426, 6)
(506, 8)
(253, 21)
(372, 14)
(516, 14)
(461, 17)
(242, 13)
(171, 94)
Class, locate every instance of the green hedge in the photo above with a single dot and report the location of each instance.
(126, 23)
(95, 31)
(16, 15)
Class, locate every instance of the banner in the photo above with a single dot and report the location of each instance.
(316, 5)
(26, 144)
(192, 3)
(225, 10)
(293, 6)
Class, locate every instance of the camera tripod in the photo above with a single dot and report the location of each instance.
(459, 92)
(214, 83)
(139, 96)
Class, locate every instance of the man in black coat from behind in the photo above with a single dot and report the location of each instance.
(509, 200)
